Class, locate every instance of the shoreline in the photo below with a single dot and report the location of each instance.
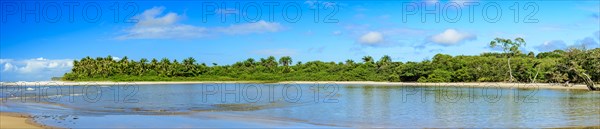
(453, 84)
(11, 120)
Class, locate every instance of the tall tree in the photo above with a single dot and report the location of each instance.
(349, 62)
(271, 62)
(510, 48)
(285, 61)
(385, 60)
(249, 62)
(368, 59)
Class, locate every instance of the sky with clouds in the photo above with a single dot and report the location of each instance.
(39, 42)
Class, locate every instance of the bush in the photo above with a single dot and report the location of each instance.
(439, 76)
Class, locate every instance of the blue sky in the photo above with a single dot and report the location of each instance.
(33, 50)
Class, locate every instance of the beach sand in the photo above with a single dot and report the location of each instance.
(17, 121)
(453, 84)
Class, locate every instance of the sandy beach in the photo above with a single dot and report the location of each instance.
(453, 84)
(18, 121)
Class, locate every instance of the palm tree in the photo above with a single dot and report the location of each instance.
(189, 61)
(142, 66)
(124, 65)
(153, 64)
(285, 61)
(143, 60)
(249, 62)
(263, 62)
(385, 60)
(349, 62)
(124, 59)
(165, 63)
(368, 59)
(271, 62)
(190, 66)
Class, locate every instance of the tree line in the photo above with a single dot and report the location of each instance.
(559, 66)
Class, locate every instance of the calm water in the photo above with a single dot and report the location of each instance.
(276, 105)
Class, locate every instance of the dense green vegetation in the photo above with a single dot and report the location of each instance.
(558, 66)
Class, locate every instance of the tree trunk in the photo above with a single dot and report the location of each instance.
(534, 77)
(588, 81)
(510, 71)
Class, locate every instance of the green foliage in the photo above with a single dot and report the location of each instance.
(553, 54)
(508, 46)
(439, 75)
(511, 49)
(557, 66)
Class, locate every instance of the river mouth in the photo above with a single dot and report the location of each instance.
(276, 105)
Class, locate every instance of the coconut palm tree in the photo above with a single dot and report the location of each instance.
(385, 60)
(142, 68)
(249, 62)
(165, 63)
(349, 62)
(190, 66)
(368, 59)
(153, 64)
(285, 61)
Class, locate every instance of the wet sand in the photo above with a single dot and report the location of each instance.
(454, 84)
(18, 121)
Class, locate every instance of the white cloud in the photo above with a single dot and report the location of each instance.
(276, 52)
(153, 25)
(372, 38)
(551, 46)
(8, 67)
(165, 32)
(2, 61)
(34, 69)
(248, 28)
(151, 17)
(392, 36)
(41, 64)
(451, 37)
